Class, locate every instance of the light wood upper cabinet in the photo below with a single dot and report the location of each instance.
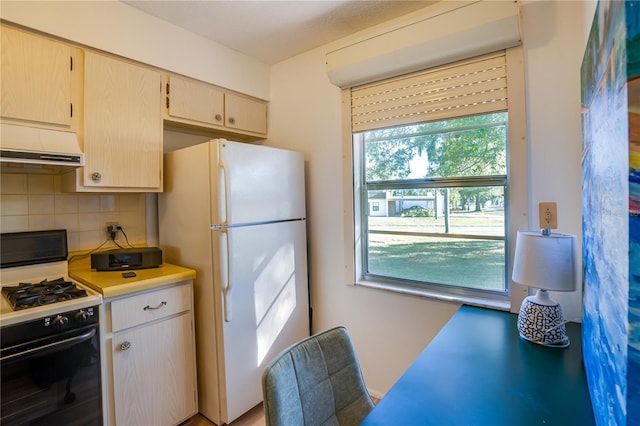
(195, 101)
(190, 102)
(122, 125)
(246, 114)
(36, 77)
(117, 108)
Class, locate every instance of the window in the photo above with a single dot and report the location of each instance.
(444, 183)
(432, 189)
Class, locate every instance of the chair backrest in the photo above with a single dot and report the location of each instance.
(317, 381)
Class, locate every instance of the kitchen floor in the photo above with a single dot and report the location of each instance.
(255, 417)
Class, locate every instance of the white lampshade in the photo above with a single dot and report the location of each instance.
(545, 261)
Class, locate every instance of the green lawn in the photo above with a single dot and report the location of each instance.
(480, 223)
(464, 262)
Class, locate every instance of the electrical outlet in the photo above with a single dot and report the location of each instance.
(112, 228)
(548, 216)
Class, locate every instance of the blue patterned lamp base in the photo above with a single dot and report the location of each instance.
(541, 321)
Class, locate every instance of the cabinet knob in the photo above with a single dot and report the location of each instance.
(218, 117)
(232, 120)
(96, 177)
(124, 346)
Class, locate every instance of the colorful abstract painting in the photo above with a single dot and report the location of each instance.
(611, 212)
(633, 89)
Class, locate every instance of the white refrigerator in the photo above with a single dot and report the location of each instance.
(235, 213)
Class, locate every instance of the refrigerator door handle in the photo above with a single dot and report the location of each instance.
(244, 225)
(224, 190)
(225, 276)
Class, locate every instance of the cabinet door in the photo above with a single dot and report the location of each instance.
(194, 101)
(123, 124)
(245, 114)
(35, 78)
(153, 378)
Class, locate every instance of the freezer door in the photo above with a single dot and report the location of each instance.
(263, 285)
(259, 183)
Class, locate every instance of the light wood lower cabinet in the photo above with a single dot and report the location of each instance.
(151, 357)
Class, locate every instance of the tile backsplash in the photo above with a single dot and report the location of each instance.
(32, 202)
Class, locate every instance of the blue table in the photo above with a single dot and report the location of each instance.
(477, 371)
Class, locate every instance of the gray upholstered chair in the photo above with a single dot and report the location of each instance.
(317, 381)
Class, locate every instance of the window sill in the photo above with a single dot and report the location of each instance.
(452, 298)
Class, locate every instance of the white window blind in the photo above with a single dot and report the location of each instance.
(469, 87)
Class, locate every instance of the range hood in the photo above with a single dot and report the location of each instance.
(24, 149)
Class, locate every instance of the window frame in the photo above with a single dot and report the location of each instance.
(516, 202)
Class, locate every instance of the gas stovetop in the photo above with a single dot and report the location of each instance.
(34, 278)
(14, 277)
(29, 295)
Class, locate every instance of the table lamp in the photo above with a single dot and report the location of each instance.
(546, 261)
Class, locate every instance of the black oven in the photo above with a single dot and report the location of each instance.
(52, 377)
(49, 336)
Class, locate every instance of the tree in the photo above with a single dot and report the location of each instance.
(466, 150)
(460, 147)
(388, 152)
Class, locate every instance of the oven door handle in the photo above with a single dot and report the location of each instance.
(52, 347)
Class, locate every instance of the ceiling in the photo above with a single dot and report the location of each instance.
(272, 31)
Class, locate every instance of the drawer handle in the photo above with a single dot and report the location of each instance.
(125, 346)
(153, 308)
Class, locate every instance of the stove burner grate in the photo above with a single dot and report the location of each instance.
(29, 295)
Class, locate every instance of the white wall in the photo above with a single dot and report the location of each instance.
(390, 330)
(555, 34)
(118, 28)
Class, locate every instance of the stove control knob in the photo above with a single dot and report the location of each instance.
(60, 322)
(82, 316)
